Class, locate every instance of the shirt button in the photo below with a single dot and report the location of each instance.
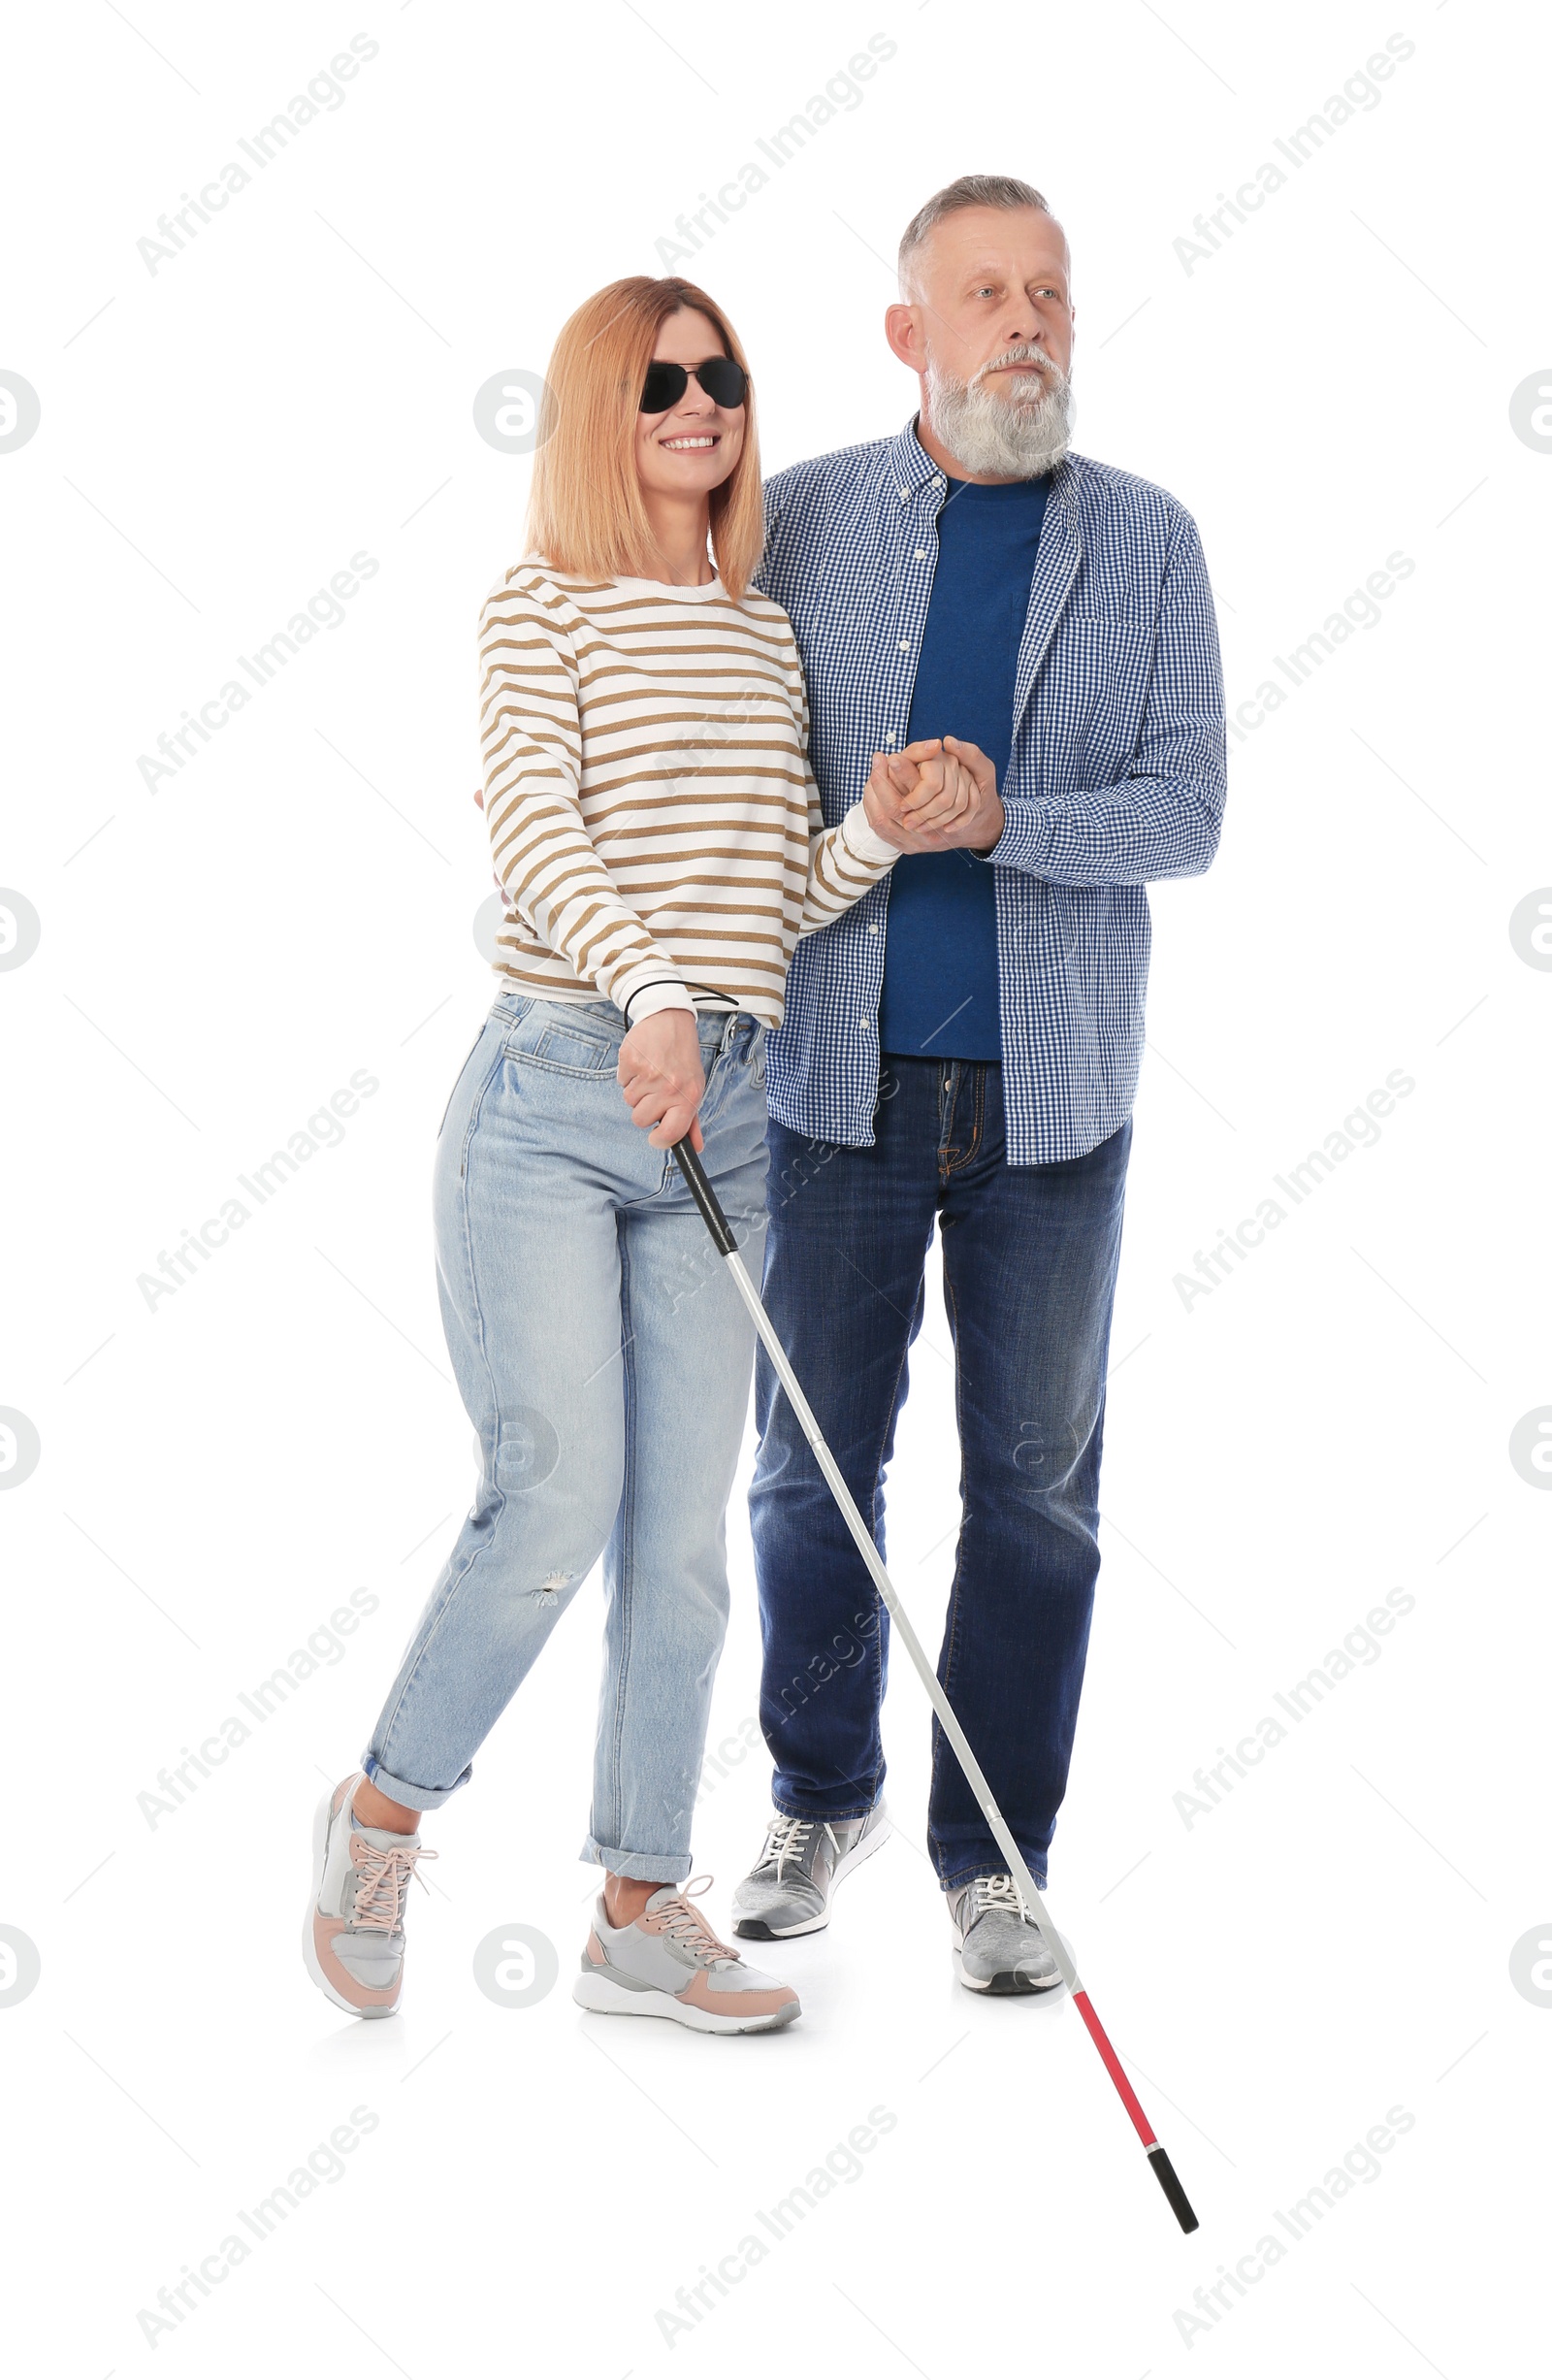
(921, 553)
(862, 1025)
(873, 930)
(905, 644)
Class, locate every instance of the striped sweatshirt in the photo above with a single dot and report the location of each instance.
(654, 821)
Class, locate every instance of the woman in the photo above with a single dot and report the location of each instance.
(656, 834)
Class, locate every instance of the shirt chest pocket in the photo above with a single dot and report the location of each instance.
(1094, 688)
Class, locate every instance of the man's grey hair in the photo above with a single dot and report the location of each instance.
(970, 190)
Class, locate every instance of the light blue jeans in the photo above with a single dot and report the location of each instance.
(604, 1356)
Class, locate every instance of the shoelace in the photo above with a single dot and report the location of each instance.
(687, 1927)
(995, 1892)
(785, 1839)
(382, 1878)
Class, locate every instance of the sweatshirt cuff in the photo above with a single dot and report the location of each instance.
(654, 995)
(863, 842)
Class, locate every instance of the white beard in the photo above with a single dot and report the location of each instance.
(1016, 434)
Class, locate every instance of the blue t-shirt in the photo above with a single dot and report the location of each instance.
(940, 955)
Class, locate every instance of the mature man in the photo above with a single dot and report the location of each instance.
(962, 1048)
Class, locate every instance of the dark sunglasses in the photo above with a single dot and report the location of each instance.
(723, 381)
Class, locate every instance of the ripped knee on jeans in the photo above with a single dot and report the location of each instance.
(548, 1589)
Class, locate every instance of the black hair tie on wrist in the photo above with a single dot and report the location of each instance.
(651, 986)
(711, 990)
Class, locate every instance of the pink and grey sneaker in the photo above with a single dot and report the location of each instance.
(353, 1934)
(669, 1963)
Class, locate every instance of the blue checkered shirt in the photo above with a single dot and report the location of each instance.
(1117, 776)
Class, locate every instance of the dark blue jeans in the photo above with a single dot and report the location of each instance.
(1029, 1258)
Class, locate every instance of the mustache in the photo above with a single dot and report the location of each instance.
(1034, 358)
(1017, 430)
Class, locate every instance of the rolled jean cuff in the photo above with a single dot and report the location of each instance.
(644, 1867)
(413, 1797)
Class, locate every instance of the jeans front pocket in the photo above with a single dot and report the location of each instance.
(582, 1042)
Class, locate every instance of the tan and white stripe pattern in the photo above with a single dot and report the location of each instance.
(653, 817)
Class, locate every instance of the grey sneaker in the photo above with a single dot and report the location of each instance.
(996, 1947)
(669, 1963)
(353, 1933)
(788, 1890)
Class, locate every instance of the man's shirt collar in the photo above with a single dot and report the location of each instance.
(910, 466)
(910, 470)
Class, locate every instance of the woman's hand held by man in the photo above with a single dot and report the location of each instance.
(662, 1077)
(939, 795)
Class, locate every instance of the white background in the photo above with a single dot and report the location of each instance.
(1331, 1940)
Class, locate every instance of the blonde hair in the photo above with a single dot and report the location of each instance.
(584, 511)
